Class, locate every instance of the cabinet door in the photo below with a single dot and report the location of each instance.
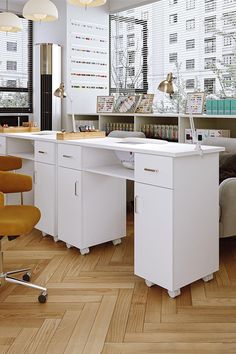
(45, 196)
(154, 234)
(69, 206)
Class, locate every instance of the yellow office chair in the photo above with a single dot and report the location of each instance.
(16, 220)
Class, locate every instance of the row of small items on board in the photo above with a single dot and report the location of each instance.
(109, 127)
(157, 131)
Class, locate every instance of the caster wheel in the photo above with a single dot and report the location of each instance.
(207, 278)
(43, 297)
(55, 238)
(44, 234)
(148, 283)
(174, 293)
(26, 277)
(68, 245)
(84, 251)
(116, 242)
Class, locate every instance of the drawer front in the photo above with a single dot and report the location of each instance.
(154, 170)
(45, 152)
(69, 156)
(3, 149)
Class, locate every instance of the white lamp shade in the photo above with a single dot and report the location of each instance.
(40, 10)
(89, 3)
(10, 22)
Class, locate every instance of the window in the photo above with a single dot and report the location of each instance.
(210, 45)
(129, 63)
(209, 63)
(173, 57)
(228, 40)
(190, 64)
(173, 2)
(190, 83)
(11, 65)
(229, 19)
(173, 38)
(209, 85)
(228, 59)
(130, 26)
(11, 46)
(190, 24)
(196, 47)
(190, 44)
(210, 5)
(16, 70)
(210, 24)
(226, 2)
(190, 4)
(173, 19)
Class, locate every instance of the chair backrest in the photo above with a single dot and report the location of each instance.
(10, 163)
(14, 182)
(228, 143)
(125, 134)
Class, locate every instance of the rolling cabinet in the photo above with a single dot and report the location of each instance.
(45, 197)
(172, 229)
(91, 206)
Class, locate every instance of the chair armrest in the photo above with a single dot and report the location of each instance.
(1, 200)
(227, 199)
(14, 182)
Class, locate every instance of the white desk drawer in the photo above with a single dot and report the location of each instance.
(45, 151)
(154, 170)
(3, 148)
(69, 156)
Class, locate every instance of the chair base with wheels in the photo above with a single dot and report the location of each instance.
(16, 220)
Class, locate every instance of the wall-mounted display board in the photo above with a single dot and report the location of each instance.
(88, 58)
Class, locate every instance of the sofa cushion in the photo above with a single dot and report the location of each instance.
(227, 166)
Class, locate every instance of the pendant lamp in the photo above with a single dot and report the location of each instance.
(40, 10)
(10, 22)
(87, 3)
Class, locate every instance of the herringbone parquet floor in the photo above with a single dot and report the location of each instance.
(97, 305)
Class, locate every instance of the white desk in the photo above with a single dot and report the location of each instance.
(80, 188)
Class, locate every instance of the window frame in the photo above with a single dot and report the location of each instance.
(29, 89)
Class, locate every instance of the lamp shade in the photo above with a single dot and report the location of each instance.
(10, 22)
(167, 85)
(89, 3)
(40, 10)
(60, 91)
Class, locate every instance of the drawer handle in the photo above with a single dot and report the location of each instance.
(151, 170)
(76, 188)
(67, 156)
(42, 152)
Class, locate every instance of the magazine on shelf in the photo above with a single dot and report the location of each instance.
(127, 104)
(145, 104)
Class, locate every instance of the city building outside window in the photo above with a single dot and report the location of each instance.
(209, 85)
(210, 5)
(209, 63)
(173, 38)
(173, 18)
(190, 4)
(190, 83)
(190, 44)
(173, 57)
(228, 59)
(190, 64)
(210, 24)
(12, 46)
(173, 2)
(210, 45)
(229, 19)
(228, 40)
(11, 65)
(190, 24)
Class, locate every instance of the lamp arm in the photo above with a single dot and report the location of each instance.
(72, 115)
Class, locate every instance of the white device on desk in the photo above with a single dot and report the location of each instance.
(83, 201)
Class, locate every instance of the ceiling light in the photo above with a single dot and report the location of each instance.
(40, 10)
(9, 22)
(87, 3)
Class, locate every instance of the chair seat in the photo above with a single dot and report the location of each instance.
(18, 219)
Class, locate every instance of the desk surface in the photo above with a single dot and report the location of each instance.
(152, 147)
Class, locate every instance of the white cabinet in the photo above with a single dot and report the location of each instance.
(45, 196)
(69, 207)
(153, 234)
